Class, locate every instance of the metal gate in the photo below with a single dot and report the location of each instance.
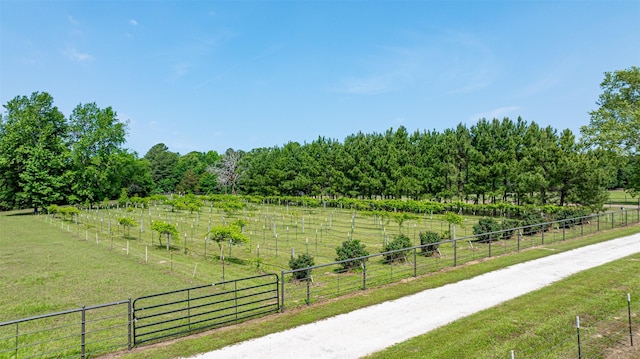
(184, 311)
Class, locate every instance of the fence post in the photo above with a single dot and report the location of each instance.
(17, 336)
(455, 252)
(598, 223)
(308, 291)
(630, 327)
(415, 263)
(578, 329)
(542, 231)
(490, 245)
(82, 329)
(564, 230)
(282, 292)
(519, 236)
(613, 219)
(364, 274)
(129, 324)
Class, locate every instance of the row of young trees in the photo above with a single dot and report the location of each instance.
(46, 158)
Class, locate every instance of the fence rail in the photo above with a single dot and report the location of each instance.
(184, 311)
(80, 332)
(307, 285)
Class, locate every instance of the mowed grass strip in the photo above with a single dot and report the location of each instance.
(291, 318)
(542, 324)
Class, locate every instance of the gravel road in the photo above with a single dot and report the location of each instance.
(374, 328)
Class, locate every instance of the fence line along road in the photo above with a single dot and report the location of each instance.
(374, 328)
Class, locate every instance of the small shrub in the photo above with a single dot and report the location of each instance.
(351, 249)
(428, 241)
(531, 219)
(484, 227)
(394, 247)
(302, 261)
(570, 217)
(508, 226)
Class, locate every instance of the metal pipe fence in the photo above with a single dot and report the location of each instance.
(90, 331)
(184, 311)
(75, 333)
(320, 282)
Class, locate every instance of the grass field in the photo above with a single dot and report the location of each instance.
(48, 264)
(546, 329)
(230, 335)
(621, 197)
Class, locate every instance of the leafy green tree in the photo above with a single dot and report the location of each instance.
(133, 174)
(402, 217)
(615, 125)
(127, 223)
(95, 137)
(453, 219)
(161, 164)
(167, 229)
(34, 168)
(230, 233)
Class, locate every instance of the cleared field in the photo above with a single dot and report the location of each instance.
(50, 264)
(621, 197)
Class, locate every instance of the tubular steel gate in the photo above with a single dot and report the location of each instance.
(184, 311)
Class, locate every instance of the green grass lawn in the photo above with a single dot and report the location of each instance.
(49, 264)
(541, 324)
(292, 318)
(621, 197)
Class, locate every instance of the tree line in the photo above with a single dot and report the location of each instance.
(493, 160)
(47, 158)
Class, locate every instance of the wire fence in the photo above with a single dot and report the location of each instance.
(611, 335)
(321, 282)
(76, 333)
(90, 331)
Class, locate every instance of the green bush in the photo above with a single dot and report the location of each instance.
(508, 226)
(393, 249)
(429, 242)
(570, 216)
(530, 219)
(484, 227)
(301, 262)
(351, 249)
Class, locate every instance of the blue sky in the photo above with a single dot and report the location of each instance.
(206, 75)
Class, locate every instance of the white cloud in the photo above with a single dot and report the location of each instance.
(495, 113)
(133, 22)
(77, 56)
